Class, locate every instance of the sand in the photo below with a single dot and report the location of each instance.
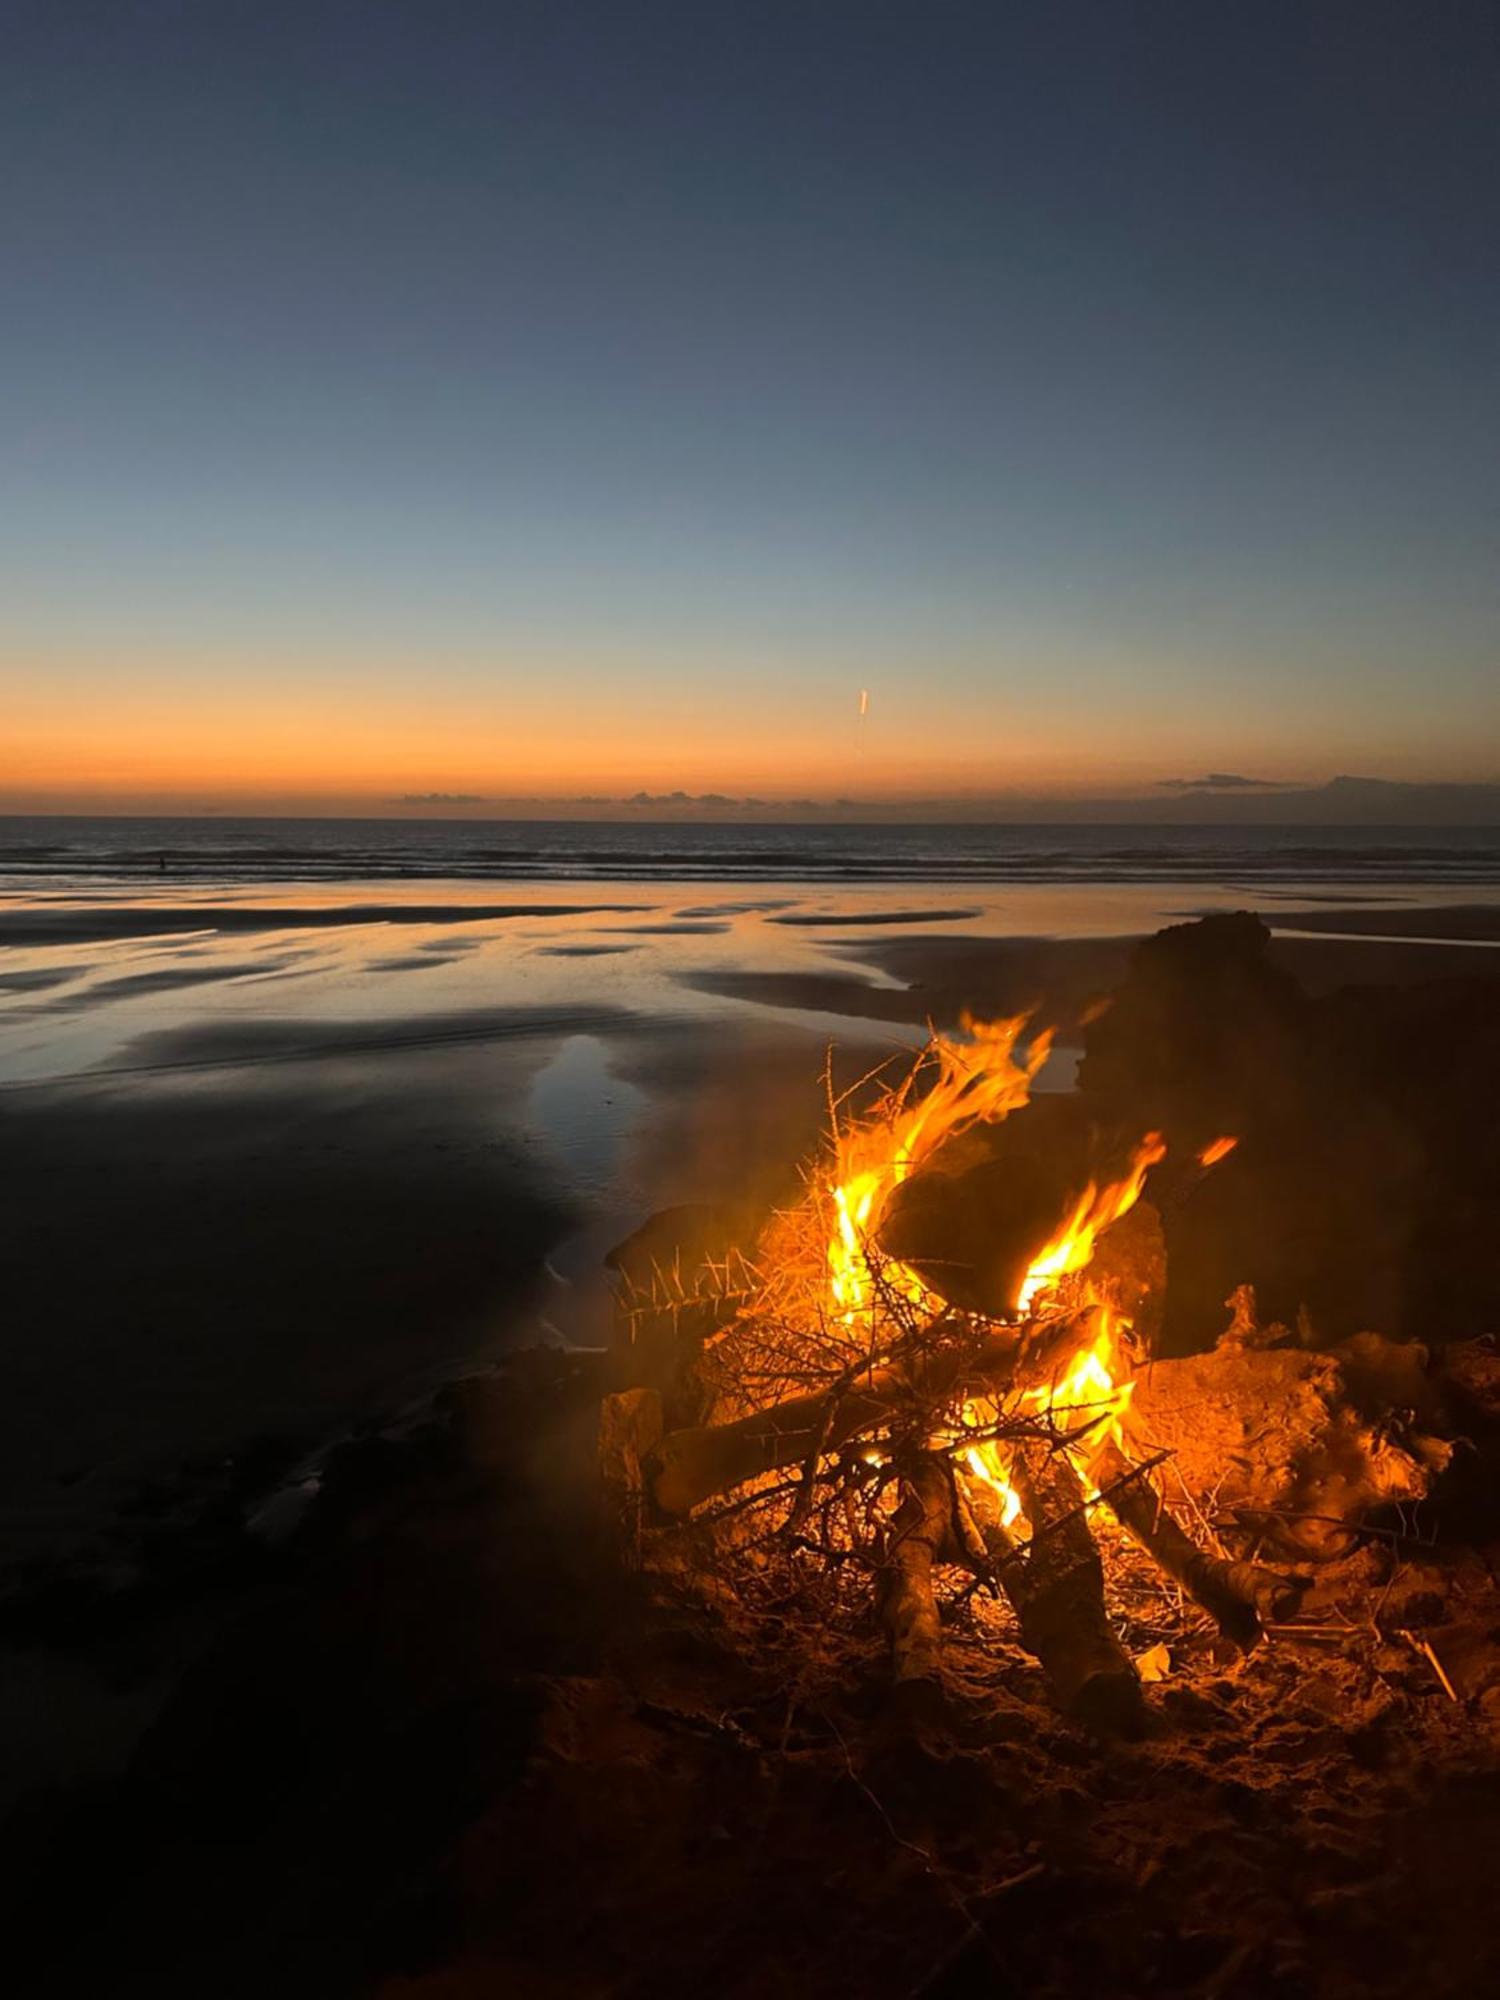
(266, 1182)
(255, 1194)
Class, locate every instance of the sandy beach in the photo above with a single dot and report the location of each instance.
(750, 1003)
(276, 1170)
(271, 1164)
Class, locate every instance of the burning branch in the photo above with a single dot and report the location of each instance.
(1058, 1594)
(1236, 1595)
(919, 1535)
(869, 1426)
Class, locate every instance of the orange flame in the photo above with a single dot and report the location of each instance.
(1072, 1248)
(1086, 1391)
(1085, 1397)
(1083, 1401)
(984, 1078)
(979, 1079)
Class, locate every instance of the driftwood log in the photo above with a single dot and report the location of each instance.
(1236, 1595)
(692, 1465)
(1058, 1595)
(920, 1534)
(1055, 1586)
(1282, 1440)
(1253, 1435)
(1055, 1583)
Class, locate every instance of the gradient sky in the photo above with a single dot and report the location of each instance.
(546, 399)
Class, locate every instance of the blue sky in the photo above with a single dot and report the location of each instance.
(506, 397)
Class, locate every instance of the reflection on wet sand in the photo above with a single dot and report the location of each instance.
(88, 978)
(265, 1160)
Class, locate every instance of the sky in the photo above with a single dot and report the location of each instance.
(498, 401)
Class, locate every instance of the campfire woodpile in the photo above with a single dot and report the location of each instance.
(929, 1392)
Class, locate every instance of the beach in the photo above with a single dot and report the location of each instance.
(279, 1155)
(305, 1182)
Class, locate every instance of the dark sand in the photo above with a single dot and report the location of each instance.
(810, 920)
(231, 1235)
(195, 1268)
(44, 923)
(251, 1236)
(939, 978)
(1476, 922)
(253, 1044)
(252, 1232)
(248, 1220)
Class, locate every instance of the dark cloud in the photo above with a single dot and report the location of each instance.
(442, 799)
(685, 799)
(1220, 781)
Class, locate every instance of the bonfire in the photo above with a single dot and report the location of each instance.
(884, 1422)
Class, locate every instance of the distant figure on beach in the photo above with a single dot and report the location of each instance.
(161, 861)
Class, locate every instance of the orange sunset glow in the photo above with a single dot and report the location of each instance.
(749, 999)
(134, 734)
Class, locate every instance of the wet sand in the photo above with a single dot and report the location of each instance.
(53, 923)
(939, 977)
(266, 1180)
(1474, 923)
(208, 1268)
(263, 1174)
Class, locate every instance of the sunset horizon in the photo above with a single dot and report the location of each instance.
(374, 436)
(1345, 799)
(140, 748)
(750, 999)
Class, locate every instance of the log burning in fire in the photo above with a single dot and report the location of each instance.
(865, 1428)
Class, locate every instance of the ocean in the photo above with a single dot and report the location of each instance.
(56, 854)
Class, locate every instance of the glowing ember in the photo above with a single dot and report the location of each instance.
(1219, 1150)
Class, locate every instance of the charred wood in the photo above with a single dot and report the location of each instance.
(1055, 1584)
(905, 1597)
(695, 1463)
(1236, 1595)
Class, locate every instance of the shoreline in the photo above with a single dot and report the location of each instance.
(243, 1188)
(293, 1272)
